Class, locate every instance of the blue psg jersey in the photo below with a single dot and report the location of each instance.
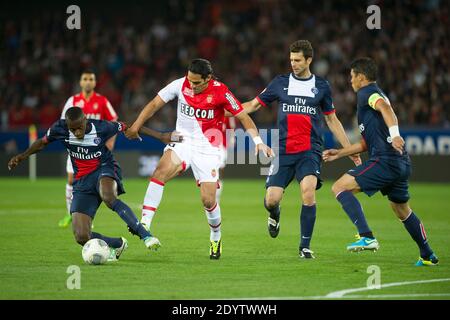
(301, 103)
(89, 153)
(371, 123)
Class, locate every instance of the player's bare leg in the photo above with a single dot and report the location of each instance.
(108, 193)
(307, 215)
(343, 189)
(213, 214)
(417, 232)
(169, 166)
(272, 201)
(65, 222)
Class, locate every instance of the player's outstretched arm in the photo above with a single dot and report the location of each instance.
(165, 137)
(250, 126)
(338, 131)
(146, 113)
(392, 123)
(37, 146)
(334, 154)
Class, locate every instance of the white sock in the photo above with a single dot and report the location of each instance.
(214, 221)
(219, 191)
(152, 199)
(69, 196)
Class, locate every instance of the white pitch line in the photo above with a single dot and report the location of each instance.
(341, 293)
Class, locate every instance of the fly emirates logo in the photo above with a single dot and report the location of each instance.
(197, 113)
(83, 154)
(299, 107)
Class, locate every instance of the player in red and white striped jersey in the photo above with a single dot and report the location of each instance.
(95, 106)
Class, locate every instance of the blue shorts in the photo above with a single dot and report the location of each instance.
(86, 192)
(299, 165)
(386, 174)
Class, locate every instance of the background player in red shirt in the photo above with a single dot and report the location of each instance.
(94, 106)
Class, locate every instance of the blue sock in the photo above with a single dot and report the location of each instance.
(354, 211)
(127, 215)
(417, 232)
(274, 212)
(307, 220)
(112, 242)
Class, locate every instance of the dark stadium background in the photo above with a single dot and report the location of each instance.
(138, 47)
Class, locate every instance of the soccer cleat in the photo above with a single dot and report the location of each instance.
(152, 243)
(432, 261)
(364, 243)
(306, 253)
(273, 226)
(215, 249)
(112, 255)
(66, 221)
(122, 248)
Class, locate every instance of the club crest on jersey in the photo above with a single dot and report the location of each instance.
(95, 106)
(188, 91)
(209, 98)
(315, 90)
(97, 140)
(213, 173)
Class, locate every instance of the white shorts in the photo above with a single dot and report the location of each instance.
(205, 162)
(69, 168)
(223, 157)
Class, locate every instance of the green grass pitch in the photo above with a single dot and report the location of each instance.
(36, 253)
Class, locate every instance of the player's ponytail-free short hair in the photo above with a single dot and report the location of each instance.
(74, 114)
(87, 71)
(365, 66)
(201, 66)
(303, 46)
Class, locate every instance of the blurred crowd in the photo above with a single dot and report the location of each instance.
(137, 49)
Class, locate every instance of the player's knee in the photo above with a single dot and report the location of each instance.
(271, 201)
(208, 202)
(308, 197)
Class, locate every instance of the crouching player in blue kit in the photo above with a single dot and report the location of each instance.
(97, 176)
(388, 168)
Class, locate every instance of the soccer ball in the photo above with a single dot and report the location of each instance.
(95, 251)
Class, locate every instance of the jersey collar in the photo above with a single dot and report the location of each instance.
(302, 79)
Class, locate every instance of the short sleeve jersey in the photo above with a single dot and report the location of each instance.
(301, 103)
(200, 116)
(89, 153)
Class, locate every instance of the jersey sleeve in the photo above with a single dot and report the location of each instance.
(112, 128)
(269, 94)
(373, 99)
(56, 132)
(69, 104)
(170, 91)
(232, 104)
(327, 101)
(108, 112)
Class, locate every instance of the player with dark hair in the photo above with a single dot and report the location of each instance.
(97, 176)
(303, 98)
(388, 168)
(94, 106)
(202, 102)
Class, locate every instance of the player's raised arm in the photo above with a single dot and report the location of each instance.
(251, 106)
(146, 113)
(165, 137)
(338, 131)
(250, 126)
(334, 154)
(391, 121)
(37, 146)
